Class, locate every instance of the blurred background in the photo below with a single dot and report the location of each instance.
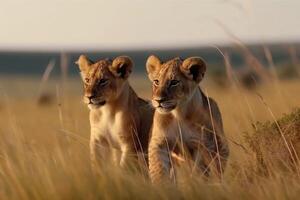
(36, 34)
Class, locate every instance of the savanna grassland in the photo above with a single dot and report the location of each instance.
(44, 145)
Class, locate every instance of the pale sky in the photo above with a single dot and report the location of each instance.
(125, 24)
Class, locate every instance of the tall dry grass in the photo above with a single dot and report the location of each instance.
(44, 152)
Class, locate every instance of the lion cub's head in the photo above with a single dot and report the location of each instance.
(103, 80)
(174, 81)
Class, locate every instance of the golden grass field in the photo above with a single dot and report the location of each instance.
(44, 148)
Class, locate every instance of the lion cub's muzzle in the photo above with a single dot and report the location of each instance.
(163, 104)
(94, 101)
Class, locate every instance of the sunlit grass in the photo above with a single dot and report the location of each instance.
(44, 152)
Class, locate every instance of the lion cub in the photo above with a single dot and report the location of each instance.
(185, 122)
(120, 121)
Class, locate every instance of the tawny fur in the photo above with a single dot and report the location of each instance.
(120, 121)
(185, 120)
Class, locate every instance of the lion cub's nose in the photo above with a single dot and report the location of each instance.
(160, 99)
(90, 96)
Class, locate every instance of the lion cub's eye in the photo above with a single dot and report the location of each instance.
(174, 82)
(103, 81)
(156, 82)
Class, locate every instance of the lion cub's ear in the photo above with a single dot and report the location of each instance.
(121, 66)
(84, 63)
(193, 68)
(152, 65)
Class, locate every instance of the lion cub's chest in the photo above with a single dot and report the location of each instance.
(183, 131)
(109, 127)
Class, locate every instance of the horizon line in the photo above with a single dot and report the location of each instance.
(94, 48)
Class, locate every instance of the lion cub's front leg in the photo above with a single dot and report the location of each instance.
(99, 152)
(127, 152)
(159, 158)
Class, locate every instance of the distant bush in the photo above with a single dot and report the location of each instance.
(249, 79)
(218, 76)
(45, 99)
(287, 71)
(276, 145)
